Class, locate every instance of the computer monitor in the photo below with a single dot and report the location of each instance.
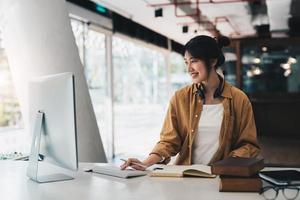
(53, 120)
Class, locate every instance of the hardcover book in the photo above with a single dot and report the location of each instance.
(240, 184)
(235, 166)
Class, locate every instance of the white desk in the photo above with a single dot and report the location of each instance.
(14, 185)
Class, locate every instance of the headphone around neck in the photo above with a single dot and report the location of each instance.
(201, 89)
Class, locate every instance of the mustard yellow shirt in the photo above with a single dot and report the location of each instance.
(238, 130)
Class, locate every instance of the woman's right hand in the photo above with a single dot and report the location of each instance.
(138, 165)
(135, 164)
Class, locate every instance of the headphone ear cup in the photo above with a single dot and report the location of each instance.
(217, 93)
(219, 90)
(201, 91)
(201, 94)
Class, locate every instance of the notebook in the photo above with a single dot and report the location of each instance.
(182, 170)
(281, 177)
(112, 170)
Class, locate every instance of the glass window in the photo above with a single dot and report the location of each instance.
(10, 114)
(91, 47)
(96, 76)
(271, 68)
(140, 96)
(178, 72)
(229, 67)
(78, 28)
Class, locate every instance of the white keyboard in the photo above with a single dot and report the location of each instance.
(113, 170)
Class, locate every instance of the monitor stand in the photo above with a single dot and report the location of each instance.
(33, 165)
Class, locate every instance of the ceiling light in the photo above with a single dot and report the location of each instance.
(285, 66)
(287, 72)
(256, 60)
(158, 12)
(185, 29)
(257, 71)
(249, 73)
(264, 49)
(292, 60)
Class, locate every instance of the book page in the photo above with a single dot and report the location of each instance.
(202, 168)
(177, 170)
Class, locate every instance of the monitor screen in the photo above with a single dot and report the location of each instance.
(53, 96)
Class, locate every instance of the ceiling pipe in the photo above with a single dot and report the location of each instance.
(226, 19)
(213, 26)
(197, 14)
(228, 1)
(198, 2)
(210, 27)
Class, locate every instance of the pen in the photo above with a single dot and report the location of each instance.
(134, 163)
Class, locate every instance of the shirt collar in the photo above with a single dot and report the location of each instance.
(225, 93)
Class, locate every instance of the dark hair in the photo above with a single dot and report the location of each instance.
(206, 48)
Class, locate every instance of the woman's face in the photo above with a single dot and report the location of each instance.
(196, 68)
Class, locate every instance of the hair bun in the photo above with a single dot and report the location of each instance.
(223, 41)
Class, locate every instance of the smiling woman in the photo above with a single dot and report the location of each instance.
(201, 113)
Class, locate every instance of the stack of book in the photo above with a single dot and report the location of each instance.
(239, 174)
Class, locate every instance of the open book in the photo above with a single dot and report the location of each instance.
(182, 170)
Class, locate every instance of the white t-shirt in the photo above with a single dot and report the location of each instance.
(206, 140)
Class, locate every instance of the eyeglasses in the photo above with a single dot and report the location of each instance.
(271, 192)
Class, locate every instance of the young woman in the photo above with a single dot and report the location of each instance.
(208, 120)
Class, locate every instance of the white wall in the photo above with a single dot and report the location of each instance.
(38, 40)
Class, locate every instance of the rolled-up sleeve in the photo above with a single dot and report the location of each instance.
(246, 144)
(170, 140)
